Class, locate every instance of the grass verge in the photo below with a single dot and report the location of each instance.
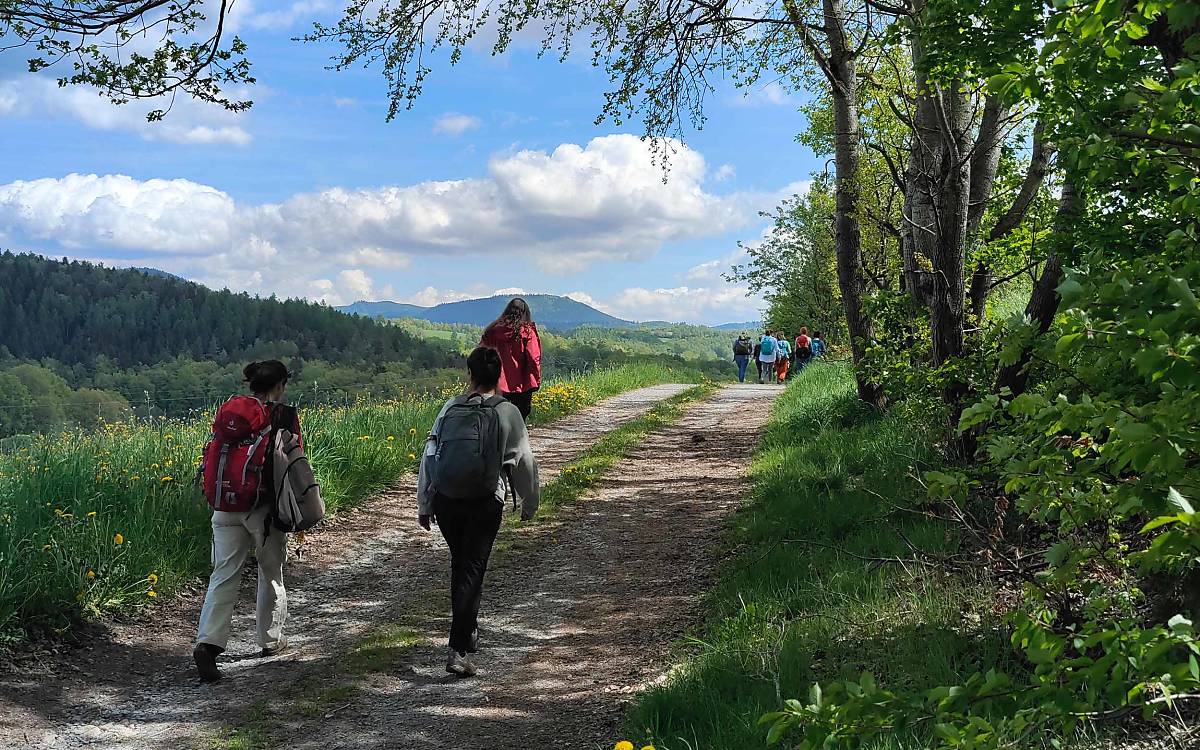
(814, 589)
(107, 521)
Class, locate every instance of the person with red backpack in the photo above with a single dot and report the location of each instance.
(237, 470)
(803, 350)
(514, 336)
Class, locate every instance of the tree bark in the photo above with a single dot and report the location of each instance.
(1035, 175)
(838, 65)
(1043, 300)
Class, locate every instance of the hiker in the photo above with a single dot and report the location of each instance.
(783, 358)
(514, 335)
(804, 350)
(741, 355)
(757, 362)
(241, 519)
(477, 450)
(766, 355)
(818, 345)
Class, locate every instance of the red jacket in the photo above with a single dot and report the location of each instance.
(520, 357)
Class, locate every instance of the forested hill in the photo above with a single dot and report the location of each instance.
(74, 312)
(551, 312)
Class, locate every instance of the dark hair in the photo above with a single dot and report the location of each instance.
(516, 316)
(484, 366)
(263, 377)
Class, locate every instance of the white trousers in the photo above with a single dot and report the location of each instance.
(234, 536)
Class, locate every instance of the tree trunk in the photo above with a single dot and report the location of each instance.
(838, 65)
(844, 82)
(1043, 301)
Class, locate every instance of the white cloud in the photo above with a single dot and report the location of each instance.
(709, 304)
(430, 296)
(562, 210)
(714, 271)
(724, 172)
(455, 124)
(188, 121)
(510, 291)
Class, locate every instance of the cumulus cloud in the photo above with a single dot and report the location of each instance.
(188, 121)
(455, 124)
(708, 304)
(562, 210)
(724, 172)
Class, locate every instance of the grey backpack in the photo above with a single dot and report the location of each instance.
(298, 503)
(469, 457)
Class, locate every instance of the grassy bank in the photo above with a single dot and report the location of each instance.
(108, 521)
(813, 589)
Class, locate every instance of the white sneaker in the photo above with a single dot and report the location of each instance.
(460, 663)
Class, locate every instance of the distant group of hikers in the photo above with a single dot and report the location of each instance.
(260, 486)
(774, 357)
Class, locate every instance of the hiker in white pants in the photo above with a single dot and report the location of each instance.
(234, 536)
(238, 531)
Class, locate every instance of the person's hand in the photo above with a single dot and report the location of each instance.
(424, 521)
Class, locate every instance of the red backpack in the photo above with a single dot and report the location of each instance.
(235, 456)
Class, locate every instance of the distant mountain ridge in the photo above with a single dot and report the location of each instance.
(550, 311)
(753, 325)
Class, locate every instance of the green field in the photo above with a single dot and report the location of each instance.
(107, 521)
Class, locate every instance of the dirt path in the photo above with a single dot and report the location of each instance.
(571, 627)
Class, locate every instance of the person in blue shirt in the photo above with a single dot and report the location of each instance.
(818, 345)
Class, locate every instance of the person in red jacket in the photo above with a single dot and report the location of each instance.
(514, 335)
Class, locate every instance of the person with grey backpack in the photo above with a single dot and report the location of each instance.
(477, 452)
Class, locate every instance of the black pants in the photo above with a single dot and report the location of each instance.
(523, 402)
(469, 527)
(758, 363)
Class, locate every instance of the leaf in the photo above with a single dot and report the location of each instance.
(1178, 501)
(814, 695)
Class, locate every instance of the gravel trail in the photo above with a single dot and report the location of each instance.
(577, 616)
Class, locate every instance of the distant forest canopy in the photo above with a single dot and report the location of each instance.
(81, 344)
(73, 312)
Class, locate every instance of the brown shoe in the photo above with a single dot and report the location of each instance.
(205, 656)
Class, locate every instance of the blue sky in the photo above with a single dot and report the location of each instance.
(499, 179)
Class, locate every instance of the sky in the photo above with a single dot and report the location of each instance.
(498, 181)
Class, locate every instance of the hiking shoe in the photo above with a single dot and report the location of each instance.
(205, 656)
(460, 663)
(269, 651)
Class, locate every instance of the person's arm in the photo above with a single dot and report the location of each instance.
(534, 349)
(425, 472)
(519, 460)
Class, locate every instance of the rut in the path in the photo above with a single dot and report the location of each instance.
(575, 627)
(133, 687)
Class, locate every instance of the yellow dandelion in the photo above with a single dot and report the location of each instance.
(45, 547)
(152, 593)
(91, 514)
(391, 438)
(168, 479)
(91, 574)
(412, 430)
(648, 747)
(134, 478)
(152, 578)
(412, 456)
(623, 745)
(118, 539)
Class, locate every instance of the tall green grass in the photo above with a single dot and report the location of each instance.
(805, 596)
(108, 521)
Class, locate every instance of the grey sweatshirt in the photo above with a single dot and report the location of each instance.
(519, 462)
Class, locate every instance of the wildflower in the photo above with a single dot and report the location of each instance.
(134, 478)
(623, 745)
(118, 540)
(391, 438)
(412, 456)
(154, 466)
(648, 747)
(91, 514)
(412, 430)
(152, 593)
(152, 578)
(168, 479)
(91, 574)
(45, 547)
